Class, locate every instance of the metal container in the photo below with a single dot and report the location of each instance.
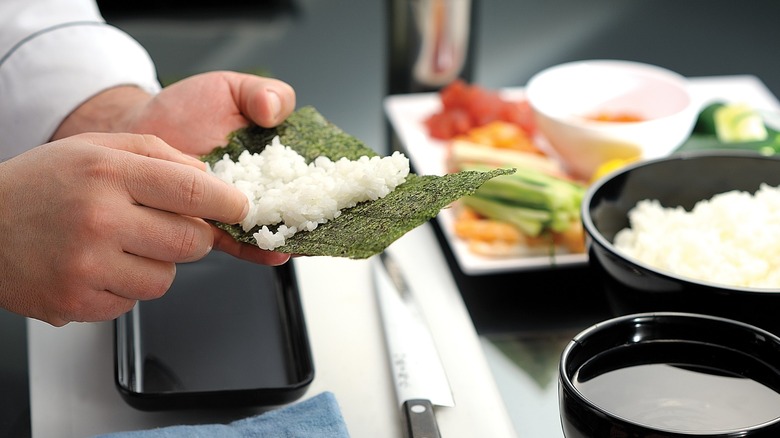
(431, 43)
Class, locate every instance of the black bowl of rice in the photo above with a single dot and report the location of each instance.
(692, 232)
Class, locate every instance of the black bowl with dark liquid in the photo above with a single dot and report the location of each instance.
(678, 180)
(669, 374)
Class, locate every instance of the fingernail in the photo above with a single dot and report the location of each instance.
(245, 211)
(194, 161)
(274, 103)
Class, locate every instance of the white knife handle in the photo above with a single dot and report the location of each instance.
(420, 419)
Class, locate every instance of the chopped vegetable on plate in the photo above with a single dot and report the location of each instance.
(722, 125)
(534, 211)
(466, 106)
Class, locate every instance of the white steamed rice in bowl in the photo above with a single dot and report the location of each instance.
(732, 239)
(287, 195)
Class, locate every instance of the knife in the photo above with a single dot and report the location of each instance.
(418, 374)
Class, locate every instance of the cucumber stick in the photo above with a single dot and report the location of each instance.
(529, 220)
(732, 127)
(531, 200)
(739, 123)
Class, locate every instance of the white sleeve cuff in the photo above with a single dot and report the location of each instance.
(52, 73)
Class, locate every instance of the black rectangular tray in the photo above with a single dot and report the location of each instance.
(228, 333)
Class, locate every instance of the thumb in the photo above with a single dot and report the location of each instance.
(265, 101)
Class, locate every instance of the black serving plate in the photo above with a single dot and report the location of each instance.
(228, 333)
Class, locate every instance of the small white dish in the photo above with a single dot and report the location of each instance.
(567, 98)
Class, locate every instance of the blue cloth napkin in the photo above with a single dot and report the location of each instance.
(317, 417)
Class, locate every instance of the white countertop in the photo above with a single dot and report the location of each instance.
(71, 368)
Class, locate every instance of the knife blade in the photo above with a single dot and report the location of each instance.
(418, 374)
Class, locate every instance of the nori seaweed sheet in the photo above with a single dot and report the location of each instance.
(368, 228)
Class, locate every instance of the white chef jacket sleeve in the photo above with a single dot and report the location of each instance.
(55, 55)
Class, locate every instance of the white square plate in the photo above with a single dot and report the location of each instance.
(427, 155)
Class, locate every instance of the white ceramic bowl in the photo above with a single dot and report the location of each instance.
(566, 97)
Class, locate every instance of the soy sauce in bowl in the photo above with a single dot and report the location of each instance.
(671, 375)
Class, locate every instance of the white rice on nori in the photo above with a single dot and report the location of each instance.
(731, 239)
(286, 192)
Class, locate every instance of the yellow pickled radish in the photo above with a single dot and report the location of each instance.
(610, 166)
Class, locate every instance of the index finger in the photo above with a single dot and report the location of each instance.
(142, 144)
(183, 189)
(159, 176)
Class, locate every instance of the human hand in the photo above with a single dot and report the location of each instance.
(194, 115)
(92, 223)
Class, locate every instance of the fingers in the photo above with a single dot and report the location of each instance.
(265, 101)
(159, 176)
(139, 278)
(186, 191)
(114, 290)
(119, 280)
(164, 236)
(183, 190)
(244, 251)
(144, 145)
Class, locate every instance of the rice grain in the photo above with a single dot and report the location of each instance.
(731, 239)
(287, 195)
